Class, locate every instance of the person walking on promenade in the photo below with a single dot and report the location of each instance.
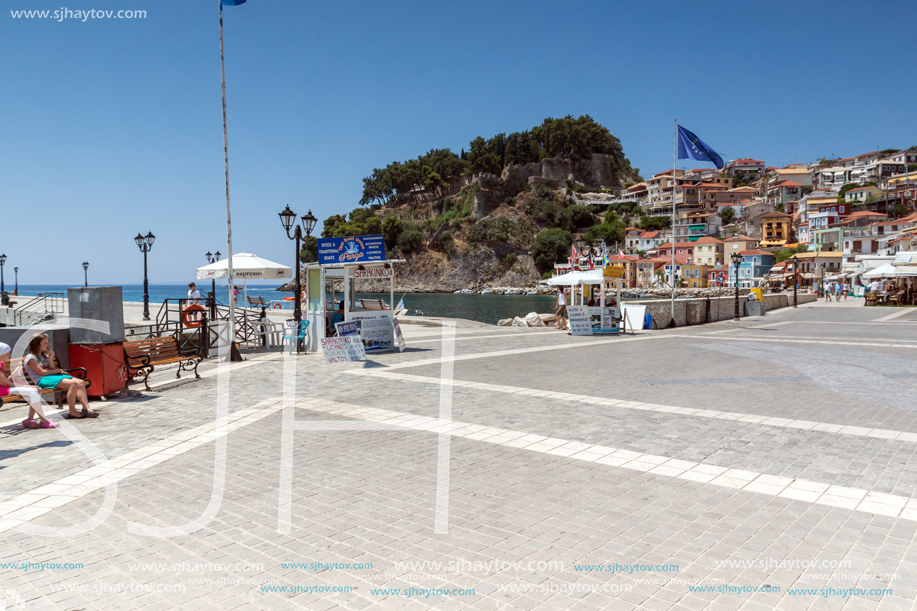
(29, 393)
(561, 310)
(38, 367)
(194, 295)
(846, 289)
(827, 291)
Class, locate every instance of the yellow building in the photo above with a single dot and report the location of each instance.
(695, 276)
(775, 229)
(708, 251)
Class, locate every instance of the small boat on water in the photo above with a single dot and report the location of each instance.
(532, 292)
(463, 292)
(486, 292)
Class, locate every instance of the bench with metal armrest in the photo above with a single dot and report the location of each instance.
(77, 372)
(142, 357)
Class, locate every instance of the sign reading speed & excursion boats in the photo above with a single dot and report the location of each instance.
(355, 249)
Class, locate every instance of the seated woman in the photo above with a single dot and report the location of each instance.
(37, 365)
(29, 393)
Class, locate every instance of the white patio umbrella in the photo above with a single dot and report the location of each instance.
(245, 266)
(884, 271)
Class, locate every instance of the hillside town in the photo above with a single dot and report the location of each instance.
(834, 220)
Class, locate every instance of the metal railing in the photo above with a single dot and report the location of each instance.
(40, 309)
(169, 319)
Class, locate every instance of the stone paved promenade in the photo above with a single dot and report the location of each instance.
(769, 463)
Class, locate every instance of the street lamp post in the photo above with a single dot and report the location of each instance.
(211, 259)
(736, 260)
(288, 219)
(85, 273)
(145, 243)
(795, 278)
(2, 263)
(16, 275)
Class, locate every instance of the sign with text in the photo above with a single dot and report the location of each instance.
(613, 271)
(346, 329)
(343, 349)
(580, 323)
(351, 250)
(376, 329)
(399, 336)
(374, 272)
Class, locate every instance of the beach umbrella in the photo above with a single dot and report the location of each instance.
(245, 266)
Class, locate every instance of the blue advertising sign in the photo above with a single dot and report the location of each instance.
(356, 249)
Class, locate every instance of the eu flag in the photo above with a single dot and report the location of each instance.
(692, 147)
(231, 2)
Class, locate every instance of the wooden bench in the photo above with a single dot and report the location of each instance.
(373, 304)
(15, 364)
(142, 357)
(257, 301)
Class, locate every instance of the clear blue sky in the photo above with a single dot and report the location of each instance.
(110, 127)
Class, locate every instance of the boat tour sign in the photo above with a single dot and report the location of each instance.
(343, 349)
(585, 320)
(356, 249)
(376, 329)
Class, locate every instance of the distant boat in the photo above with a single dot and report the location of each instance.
(532, 293)
(463, 292)
(487, 291)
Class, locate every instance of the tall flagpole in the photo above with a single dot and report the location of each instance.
(674, 165)
(232, 310)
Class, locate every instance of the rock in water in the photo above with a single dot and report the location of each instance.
(534, 320)
(520, 322)
(505, 322)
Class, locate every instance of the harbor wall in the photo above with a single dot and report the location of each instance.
(696, 311)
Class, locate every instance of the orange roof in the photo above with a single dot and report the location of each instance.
(668, 245)
(861, 213)
(708, 240)
(776, 214)
(649, 234)
(711, 185)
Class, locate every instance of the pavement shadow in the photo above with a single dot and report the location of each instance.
(5, 454)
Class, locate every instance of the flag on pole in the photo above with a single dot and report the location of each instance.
(400, 305)
(692, 147)
(620, 253)
(605, 259)
(591, 265)
(231, 2)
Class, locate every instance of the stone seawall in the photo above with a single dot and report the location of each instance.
(697, 311)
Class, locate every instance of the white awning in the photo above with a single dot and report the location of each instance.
(885, 271)
(593, 276)
(905, 257)
(245, 266)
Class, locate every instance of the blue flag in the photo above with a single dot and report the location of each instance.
(231, 2)
(692, 147)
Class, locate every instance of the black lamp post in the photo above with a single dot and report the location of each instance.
(213, 258)
(288, 219)
(86, 273)
(795, 278)
(2, 263)
(736, 260)
(16, 275)
(145, 243)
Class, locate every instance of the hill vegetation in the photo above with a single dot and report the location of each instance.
(471, 219)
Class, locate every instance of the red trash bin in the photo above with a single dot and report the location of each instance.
(104, 364)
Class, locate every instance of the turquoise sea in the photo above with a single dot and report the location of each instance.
(483, 308)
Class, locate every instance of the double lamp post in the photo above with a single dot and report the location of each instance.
(211, 259)
(145, 243)
(736, 261)
(288, 219)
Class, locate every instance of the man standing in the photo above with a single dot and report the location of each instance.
(194, 295)
(561, 310)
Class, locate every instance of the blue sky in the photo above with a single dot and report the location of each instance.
(111, 126)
